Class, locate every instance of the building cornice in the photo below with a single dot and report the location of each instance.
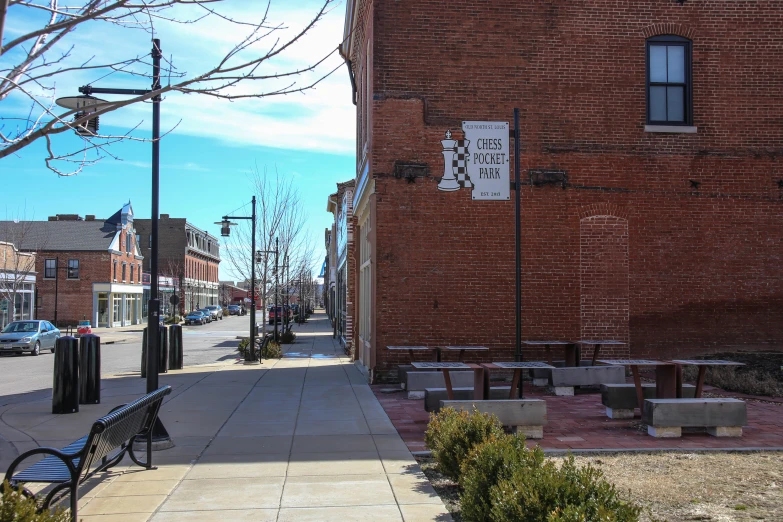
(346, 46)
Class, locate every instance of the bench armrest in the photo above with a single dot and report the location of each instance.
(67, 459)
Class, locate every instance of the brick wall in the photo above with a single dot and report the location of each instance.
(628, 246)
(74, 296)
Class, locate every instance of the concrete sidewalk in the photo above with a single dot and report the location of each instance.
(302, 438)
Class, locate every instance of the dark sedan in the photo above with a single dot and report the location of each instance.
(28, 336)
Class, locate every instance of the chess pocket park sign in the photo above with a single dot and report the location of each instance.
(479, 162)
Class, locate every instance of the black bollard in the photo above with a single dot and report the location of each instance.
(89, 369)
(163, 351)
(65, 387)
(144, 354)
(175, 347)
(163, 358)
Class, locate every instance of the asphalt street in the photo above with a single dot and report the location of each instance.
(216, 341)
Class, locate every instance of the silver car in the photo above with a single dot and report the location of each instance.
(216, 312)
(28, 336)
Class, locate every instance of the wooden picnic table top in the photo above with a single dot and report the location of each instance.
(592, 341)
(707, 362)
(416, 348)
(541, 343)
(466, 348)
(633, 362)
(510, 365)
(421, 365)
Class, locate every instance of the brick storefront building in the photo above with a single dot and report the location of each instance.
(188, 256)
(87, 268)
(652, 161)
(341, 270)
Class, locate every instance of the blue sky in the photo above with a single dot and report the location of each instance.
(207, 159)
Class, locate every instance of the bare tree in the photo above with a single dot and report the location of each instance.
(17, 267)
(35, 60)
(175, 269)
(280, 224)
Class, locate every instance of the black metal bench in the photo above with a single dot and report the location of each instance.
(109, 439)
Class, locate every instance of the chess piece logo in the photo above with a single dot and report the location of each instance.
(455, 164)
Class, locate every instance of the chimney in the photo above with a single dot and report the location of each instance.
(52, 218)
(68, 217)
(89, 217)
(164, 216)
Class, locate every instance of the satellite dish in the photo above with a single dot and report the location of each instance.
(85, 105)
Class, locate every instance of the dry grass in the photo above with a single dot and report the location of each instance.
(719, 487)
(752, 382)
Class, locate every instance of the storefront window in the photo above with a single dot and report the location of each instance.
(128, 307)
(103, 309)
(116, 317)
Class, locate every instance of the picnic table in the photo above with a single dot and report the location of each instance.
(569, 349)
(596, 344)
(516, 380)
(462, 350)
(702, 365)
(412, 349)
(445, 367)
(666, 385)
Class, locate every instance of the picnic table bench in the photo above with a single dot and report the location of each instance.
(445, 367)
(111, 437)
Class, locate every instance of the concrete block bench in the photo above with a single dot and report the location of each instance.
(540, 376)
(433, 396)
(563, 380)
(721, 417)
(419, 381)
(526, 416)
(402, 374)
(620, 399)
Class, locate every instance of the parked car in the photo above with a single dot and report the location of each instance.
(234, 310)
(216, 311)
(280, 312)
(28, 336)
(195, 317)
(207, 313)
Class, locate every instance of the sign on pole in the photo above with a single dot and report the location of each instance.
(479, 162)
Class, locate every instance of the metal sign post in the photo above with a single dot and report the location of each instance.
(480, 162)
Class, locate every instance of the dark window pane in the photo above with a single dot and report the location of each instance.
(658, 63)
(676, 104)
(676, 64)
(658, 103)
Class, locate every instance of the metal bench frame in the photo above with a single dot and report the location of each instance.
(73, 465)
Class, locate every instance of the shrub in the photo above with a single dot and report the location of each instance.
(742, 380)
(288, 336)
(486, 465)
(452, 434)
(546, 493)
(16, 507)
(272, 351)
(173, 320)
(243, 344)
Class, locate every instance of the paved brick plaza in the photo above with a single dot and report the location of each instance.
(580, 423)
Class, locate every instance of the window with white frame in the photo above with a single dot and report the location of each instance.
(365, 281)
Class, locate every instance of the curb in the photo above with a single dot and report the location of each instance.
(601, 451)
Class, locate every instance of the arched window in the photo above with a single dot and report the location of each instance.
(669, 78)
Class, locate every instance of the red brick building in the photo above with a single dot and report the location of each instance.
(340, 274)
(87, 268)
(652, 161)
(188, 256)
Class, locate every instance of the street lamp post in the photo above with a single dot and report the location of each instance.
(160, 436)
(225, 231)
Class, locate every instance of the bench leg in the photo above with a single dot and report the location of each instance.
(75, 501)
(668, 432)
(619, 413)
(530, 432)
(725, 431)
